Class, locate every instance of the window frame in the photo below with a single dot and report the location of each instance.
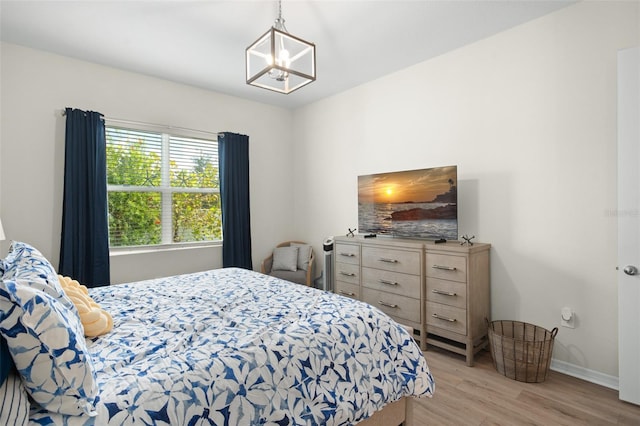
(165, 189)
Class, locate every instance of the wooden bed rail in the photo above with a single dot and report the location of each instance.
(396, 413)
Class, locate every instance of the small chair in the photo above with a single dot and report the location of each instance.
(292, 261)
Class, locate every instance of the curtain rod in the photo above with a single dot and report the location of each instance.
(142, 123)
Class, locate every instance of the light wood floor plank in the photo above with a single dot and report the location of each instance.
(480, 396)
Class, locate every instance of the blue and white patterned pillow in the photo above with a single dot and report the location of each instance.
(25, 263)
(14, 402)
(47, 344)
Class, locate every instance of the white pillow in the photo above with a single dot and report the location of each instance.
(47, 344)
(285, 259)
(14, 401)
(304, 255)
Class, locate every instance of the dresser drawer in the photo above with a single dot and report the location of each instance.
(407, 262)
(391, 282)
(347, 253)
(447, 317)
(347, 289)
(447, 267)
(450, 293)
(392, 304)
(348, 273)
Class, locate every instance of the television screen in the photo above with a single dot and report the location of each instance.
(414, 203)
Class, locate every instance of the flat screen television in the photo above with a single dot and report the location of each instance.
(413, 203)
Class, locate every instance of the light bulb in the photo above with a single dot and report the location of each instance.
(284, 59)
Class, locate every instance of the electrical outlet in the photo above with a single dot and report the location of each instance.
(568, 324)
(568, 318)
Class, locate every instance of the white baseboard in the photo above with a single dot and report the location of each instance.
(585, 374)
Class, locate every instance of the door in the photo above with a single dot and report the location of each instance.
(629, 225)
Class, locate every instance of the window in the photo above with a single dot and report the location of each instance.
(162, 188)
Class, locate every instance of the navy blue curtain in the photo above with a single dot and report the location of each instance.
(233, 157)
(84, 245)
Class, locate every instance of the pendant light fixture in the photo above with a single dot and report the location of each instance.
(279, 61)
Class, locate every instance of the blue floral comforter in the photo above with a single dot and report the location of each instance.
(234, 347)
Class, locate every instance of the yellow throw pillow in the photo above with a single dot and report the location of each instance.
(95, 320)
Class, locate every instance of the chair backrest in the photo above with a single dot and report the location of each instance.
(288, 243)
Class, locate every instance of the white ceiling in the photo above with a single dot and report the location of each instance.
(202, 43)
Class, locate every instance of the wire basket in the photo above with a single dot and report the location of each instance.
(521, 351)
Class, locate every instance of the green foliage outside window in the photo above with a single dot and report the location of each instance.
(135, 217)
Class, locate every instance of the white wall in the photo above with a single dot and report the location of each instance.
(35, 86)
(529, 117)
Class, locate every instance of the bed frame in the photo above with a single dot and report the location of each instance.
(396, 413)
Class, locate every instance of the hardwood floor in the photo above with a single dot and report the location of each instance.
(481, 396)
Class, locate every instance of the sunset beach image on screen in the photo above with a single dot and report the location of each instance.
(420, 203)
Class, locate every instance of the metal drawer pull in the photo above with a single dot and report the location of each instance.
(388, 305)
(445, 268)
(388, 282)
(346, 293)
(384, 259)
(443, 318)
(348, 274)
(444, 293)
(348, 254)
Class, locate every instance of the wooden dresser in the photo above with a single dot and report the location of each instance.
(441, 291)
(347, 269)
(458, 297)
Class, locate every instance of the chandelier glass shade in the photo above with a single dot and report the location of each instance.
(279, 61)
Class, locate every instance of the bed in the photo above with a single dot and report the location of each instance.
(235, 347)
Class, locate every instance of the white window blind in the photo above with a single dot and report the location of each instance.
(162, 188)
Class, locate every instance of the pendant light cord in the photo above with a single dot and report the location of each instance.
(279, 24)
